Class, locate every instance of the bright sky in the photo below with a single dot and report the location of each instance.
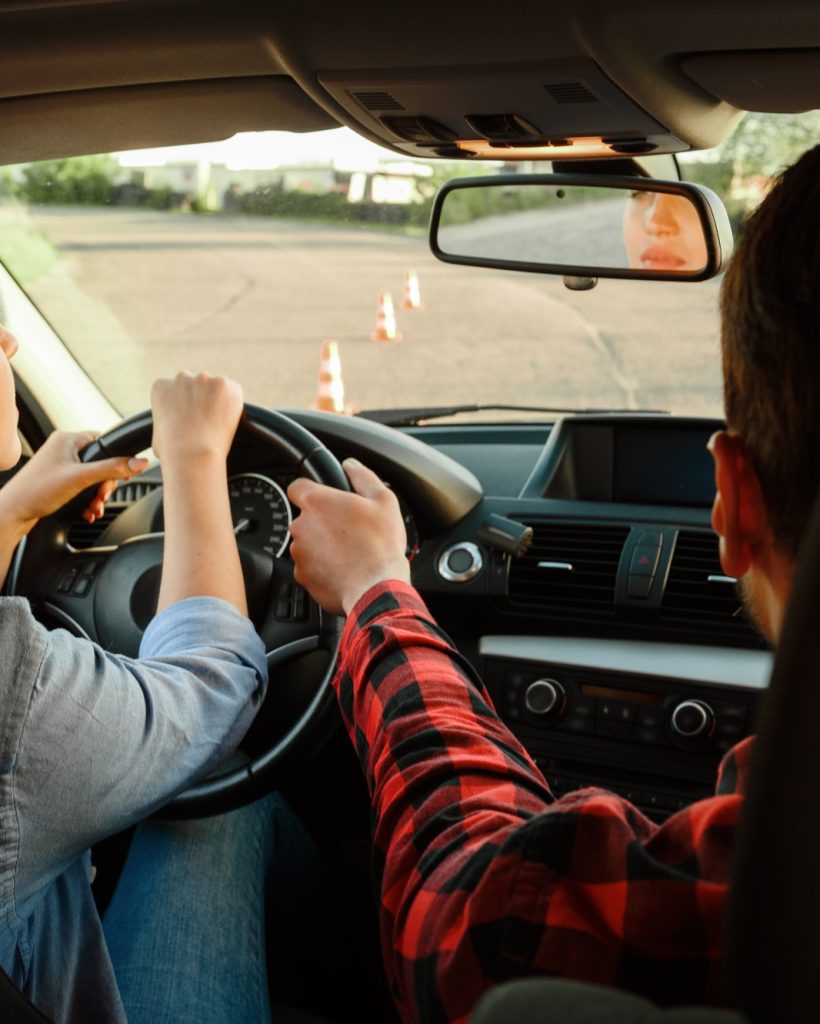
(340, 147)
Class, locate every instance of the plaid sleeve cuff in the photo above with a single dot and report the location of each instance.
(381, 599)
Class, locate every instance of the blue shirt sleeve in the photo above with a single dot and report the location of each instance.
(190, 624)
(104, 740)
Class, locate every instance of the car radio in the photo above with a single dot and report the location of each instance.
(655, 739)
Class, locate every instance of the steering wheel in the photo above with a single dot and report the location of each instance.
(108, 594)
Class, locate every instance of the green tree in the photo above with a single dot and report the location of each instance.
(761, 146)
(767, 143)
(84, 180)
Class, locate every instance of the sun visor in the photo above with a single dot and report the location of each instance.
(140, 117)
(767, 81)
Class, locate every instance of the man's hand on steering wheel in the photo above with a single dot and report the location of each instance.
(344, 543)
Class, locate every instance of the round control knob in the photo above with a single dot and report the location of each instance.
(460, 562)
(545, 697)
(692, 719)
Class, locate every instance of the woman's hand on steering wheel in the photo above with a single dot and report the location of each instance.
(194, 414)
(54, 475)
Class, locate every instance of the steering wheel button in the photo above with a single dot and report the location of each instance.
(67, 582)
(90, 568)
(283, 609)
(80, 588)
(299, 603)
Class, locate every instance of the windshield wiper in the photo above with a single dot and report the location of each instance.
(412, 417)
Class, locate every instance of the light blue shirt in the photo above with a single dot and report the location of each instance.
(90, 743)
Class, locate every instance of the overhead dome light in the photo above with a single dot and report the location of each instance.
(577, 149)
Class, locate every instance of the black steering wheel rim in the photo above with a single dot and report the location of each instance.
(245, 782)
(257, 423)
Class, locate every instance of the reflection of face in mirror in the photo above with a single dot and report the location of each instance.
(663, 232)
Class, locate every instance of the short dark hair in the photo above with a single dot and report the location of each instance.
(770, 342)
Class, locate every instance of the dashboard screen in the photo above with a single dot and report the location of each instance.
(663, 466)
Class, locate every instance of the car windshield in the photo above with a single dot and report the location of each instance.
(244, 257)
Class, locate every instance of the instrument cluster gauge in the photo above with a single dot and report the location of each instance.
(260, 512)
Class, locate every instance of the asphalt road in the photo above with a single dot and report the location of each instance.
(583, 234)
(141, 294)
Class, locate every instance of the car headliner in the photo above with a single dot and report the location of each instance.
(84, 76)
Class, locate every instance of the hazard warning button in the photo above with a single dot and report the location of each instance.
(644, 561)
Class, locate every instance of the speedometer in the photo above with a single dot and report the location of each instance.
(260, 511)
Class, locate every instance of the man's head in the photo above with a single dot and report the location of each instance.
(768, 465)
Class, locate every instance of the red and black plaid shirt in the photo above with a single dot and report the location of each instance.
(484, 876)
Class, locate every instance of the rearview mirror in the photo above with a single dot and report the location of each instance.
(584, 226)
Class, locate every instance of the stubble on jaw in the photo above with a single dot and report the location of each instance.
(753, 607)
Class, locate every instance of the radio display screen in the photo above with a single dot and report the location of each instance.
(663, 466)
(608, 692)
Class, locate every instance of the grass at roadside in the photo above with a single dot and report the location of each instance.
(25, 252)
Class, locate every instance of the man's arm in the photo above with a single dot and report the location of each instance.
(484, 877)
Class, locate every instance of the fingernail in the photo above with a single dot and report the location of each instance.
(136, 464)
(353, 463)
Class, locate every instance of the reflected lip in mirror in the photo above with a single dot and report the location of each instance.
(658, 257)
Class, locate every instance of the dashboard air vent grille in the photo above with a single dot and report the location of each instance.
(83, 535)
(133, 490)
(587, 589)
(698, 595)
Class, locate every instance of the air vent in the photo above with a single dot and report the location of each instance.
(83, 535)
(699, 596)
(571, 92)
(540, 580)
(132, 491)
(378, 101)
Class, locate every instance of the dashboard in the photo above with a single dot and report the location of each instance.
(574, 564)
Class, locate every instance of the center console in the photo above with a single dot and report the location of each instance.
(648, 721)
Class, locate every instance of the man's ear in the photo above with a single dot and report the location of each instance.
(738, 514)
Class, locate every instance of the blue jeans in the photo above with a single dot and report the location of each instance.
(186, 925)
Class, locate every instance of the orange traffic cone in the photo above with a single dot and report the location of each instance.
(385, 329)
(330, 394)
(412, 296)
